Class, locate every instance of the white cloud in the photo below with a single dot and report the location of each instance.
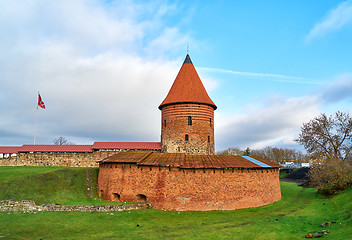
(335, 20)
(82, 23)
(89, 62)
(169, 39)
(269, 76)
(278, 122)
(338, 90)
(103, 70)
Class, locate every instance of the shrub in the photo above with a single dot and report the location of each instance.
(332, 176)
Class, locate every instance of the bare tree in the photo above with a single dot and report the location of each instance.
(328, 137)
(279, 155)
(61, 141)
(274, 154)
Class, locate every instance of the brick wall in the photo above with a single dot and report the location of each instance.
(87, 159)
(189, 189)
(175, 126)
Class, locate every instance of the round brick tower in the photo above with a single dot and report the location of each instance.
(187, 115)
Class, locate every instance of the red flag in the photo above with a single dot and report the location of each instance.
(40, 102)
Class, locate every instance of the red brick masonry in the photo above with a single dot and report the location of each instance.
(189, 189)
(175, 126)
(187, 115)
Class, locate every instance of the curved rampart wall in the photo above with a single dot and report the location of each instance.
(174, 127)
(189, 189)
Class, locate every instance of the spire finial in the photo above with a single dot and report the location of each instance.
(188, 59)
(187, 49)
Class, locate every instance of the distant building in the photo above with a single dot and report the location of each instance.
(305, 164)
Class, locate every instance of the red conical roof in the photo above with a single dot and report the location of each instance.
(187, 88)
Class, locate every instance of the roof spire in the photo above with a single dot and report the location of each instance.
(187, 60)
(187, 88)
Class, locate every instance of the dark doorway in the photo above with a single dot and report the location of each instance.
(141, 198)
(116, 197)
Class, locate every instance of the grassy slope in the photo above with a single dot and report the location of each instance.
(300, 211)
(61, 185)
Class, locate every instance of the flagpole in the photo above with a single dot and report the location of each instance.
(36, 119)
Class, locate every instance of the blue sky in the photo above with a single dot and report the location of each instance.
(103, 67)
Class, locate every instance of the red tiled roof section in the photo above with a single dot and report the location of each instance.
(218, 161)
(56, 148)
(82, 148)
(180, 160)
(162, 159)
(127, 145)
(9, 149)
(187, 88)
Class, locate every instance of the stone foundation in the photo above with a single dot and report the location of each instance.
(30, 207)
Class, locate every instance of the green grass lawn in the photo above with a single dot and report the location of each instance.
(282, 173)
(300, 211)
(62, 185)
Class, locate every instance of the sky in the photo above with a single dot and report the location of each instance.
(103, 67)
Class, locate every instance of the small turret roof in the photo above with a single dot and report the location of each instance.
(187, 88)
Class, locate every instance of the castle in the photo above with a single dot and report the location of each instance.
(186, 175)
(179, 173)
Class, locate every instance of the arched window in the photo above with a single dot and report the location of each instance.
(208, 139)
(164, 123)
(186, 137)
(189, 120)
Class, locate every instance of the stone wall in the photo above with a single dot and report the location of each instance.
(175, 126)
(189, 189)
(30, 207)
(87, 159)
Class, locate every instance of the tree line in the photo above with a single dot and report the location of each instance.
(278, 155)
(326, 138)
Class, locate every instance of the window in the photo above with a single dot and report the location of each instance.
(186, 138)
(208, 139)
(189, 120)
(164, 123)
